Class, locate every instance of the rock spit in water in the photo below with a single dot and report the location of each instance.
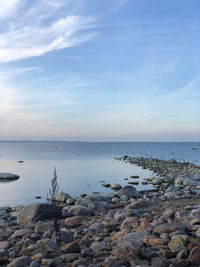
(8, 176)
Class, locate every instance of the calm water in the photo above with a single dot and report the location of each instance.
(80, 166)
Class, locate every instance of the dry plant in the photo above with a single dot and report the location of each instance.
(53, 191)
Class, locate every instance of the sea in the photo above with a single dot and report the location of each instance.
(81, 167)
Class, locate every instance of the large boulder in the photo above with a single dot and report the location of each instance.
(38, 212)
(128, 191)
(8, 176)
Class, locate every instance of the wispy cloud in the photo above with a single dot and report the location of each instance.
(41, 32)
(5, 75)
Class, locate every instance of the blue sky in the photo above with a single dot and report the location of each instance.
(99, 70)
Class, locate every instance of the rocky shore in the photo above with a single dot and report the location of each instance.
(125, 228)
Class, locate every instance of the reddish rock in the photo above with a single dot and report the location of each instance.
(154, 241)
(119, 235)
(74, 221)
(145, 225)
(129, 223)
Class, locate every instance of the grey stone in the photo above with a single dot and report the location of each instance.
(81, 210)
(37, 212)
(160, 262)
(34, 264)
(97, 198)
(136, 238)
(116, 186)
(62, 197)
(20, 262)
(128, 191)
(97, 246)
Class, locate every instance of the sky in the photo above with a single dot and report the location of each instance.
(100, 70)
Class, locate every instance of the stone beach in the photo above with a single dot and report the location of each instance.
(158, 228)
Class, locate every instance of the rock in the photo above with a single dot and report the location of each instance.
(45, 246)
(97, 246)
(138, 204)
(157, 181)
(178, 241)
(62, 197)
(129, 223)
(34, 264)
(70, 201)
(113, 262)
(4, 245)
(170, 195)
(194, 256)
(22, 232)
(168, 253)
(97, 198)
(37, 212)
(173, 188)
(20, 262)
(115, 200)
(128, 191)
(69, 257)
(197, 233)
(38, 257)
(99, 207)
(3, 256)
(154, 241)
(116, 186)
(48, 262)
(167, 179)
(72, 247)
(160, 262)
(64, 236)
(8, 176)
(183, 254)
(81, 210)
(73, 221)
(41, 228)
(136, 238)
(106, 185)
(185, 181)
(83, 202)
(125, 251)
(169, 228)
(135, 176)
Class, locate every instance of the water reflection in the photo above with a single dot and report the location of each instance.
(74, 177)
(4, 180)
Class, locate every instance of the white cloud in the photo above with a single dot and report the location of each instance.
(8, 7)
(34, 34)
